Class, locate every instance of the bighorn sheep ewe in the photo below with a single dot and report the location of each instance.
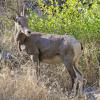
(50, 49)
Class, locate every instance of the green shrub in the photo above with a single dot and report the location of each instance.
(78, 20)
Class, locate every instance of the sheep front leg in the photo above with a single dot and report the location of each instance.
(19, 46)
(36, 62)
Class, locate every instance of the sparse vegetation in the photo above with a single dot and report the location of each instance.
(81, 19)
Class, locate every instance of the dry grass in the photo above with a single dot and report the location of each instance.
(23, 87)
(20, 83)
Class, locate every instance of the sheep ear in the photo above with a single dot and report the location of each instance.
(13, 18)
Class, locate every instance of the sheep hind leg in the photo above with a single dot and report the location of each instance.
(69, 65)
(79, 78)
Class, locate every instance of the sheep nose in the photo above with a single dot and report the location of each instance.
(29, 32)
